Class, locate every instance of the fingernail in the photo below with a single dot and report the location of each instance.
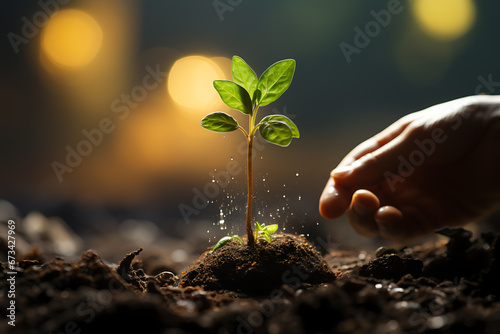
(360, 208)
(342, 172)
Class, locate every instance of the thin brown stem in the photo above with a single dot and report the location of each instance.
(250, 236)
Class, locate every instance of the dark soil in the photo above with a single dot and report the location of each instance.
(260, 268)
(432, 288)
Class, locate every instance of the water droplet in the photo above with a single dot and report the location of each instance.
(208, 231)
(261, 158)
(232, 158)
(300, 197)
(284, 196)
(296, 174)
(264, 179)
(317, 224)
(267, 190)
(213, 180)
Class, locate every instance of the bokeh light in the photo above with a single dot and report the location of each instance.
(190, 82)
(445, 19)
(71, 39)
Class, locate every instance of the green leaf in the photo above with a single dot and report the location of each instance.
(276, 132)
(256, 96)
(219, 122)
(225, 240)
(281, 118)
(234, 95)
(270, 229)
(275, 81)
(258, 227)
(263, 235)
(244, 76)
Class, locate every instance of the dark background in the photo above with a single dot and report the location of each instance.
(429, 52)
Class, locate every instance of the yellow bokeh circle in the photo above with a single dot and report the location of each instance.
(190, 82)
(445, 19)
(71, 38)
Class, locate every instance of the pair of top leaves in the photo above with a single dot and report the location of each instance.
(247, 93)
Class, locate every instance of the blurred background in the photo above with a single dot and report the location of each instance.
(101, 103)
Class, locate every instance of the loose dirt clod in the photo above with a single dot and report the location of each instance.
(126, 271)
(391, 266)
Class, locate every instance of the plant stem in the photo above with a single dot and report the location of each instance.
(250, 236)
(249, 136)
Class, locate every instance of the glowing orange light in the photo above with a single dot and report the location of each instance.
(190, 82)
(71, 38)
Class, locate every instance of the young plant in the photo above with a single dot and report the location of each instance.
(262, 232)
(246, 93)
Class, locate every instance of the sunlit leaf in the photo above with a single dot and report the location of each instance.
(225, 240)
(281, 118)
(276, 132)
(258, 227)
(270, 229)
(244, 76)
(219, 122)
(275, 81)
(234, 95)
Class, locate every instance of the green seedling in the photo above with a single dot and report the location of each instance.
(263, 231)
(246, 93)
(226, 240)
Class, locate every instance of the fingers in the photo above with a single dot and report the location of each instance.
(361, 214)
(334, 200)
(366, 216)
(390, 224)
(368, 219)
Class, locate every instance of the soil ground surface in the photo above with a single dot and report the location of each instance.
(439, 287)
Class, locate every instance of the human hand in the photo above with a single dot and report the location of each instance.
(433, 168)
